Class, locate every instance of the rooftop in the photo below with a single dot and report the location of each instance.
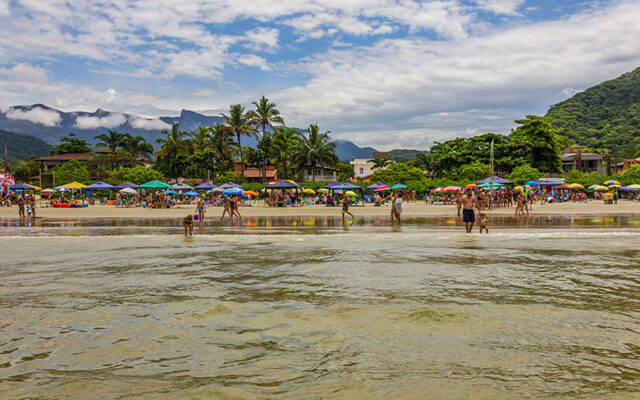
(68, 157)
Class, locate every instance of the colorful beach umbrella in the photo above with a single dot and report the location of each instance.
(452, 188)
(309, 191)
(74, 185)
(382, 188)
(575, 186)
(611, 182)
(251, 193)
(599, 188)
(634, 186)
(323, 190)
(351, 193)
(438, 190)
(191, 193)
(398, 186)
(470, 186)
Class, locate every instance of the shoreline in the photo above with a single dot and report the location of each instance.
(260, 210)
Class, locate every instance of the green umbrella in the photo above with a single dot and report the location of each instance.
(351, 193)
(155, 185)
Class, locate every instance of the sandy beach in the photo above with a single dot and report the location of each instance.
(260, 210)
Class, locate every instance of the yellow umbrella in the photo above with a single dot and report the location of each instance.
(36, 188)
(309, 191)
(323, 190)
(75, 185)
(575, 186)
(634, 186)
(601, 188)
(614, 186)
(611, 182)
(518, 188)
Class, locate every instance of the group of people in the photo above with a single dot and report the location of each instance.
(231, 207)
(26, 203)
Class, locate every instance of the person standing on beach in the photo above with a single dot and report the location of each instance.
(201, 209)
(32, 203)
(396, 208)
(21, 206)
(226, 209)
(345, 208)
(469, 201)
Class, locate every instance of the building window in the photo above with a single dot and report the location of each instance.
(362, 170)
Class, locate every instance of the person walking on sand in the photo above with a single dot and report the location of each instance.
(226, 209)
(345, 208)
(396, 208)
(201, 209)
(469, 201)
(233, 206)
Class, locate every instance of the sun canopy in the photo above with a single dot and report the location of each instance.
(233, 191)
(75, 185)
(346, 186)
(216, 189)
(382, 188)
(182, 186)
(283, 185)
(398, 186)
(125, 185)
(100, 186)
(496, 179)
(21, 186)
(128, 191)
(230, 185)
(375, 186)
(155, 185)
(488, 185)
(170, 191)
(205, 186)
(332, 185)
(191, 193)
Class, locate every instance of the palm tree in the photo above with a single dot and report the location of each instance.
(284, 139)
(111, 141)
(380, 162)
(223, 144)
(266, 114)
(173, 146)
(315, 149)
(240, 123)
(137, 146)
(200, 138)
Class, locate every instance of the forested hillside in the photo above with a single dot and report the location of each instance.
(604, 116)
(20, 147)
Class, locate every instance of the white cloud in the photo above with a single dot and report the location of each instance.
(25, 72)
(262, 39)
(501, 6)
(110, 121)
(252, 60)
(4, 7)
(148, 123)
(37, 115)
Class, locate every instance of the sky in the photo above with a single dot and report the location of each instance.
(382, 73)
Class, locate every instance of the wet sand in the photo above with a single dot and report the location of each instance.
(258, 209)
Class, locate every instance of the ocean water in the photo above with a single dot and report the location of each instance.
(305, 308)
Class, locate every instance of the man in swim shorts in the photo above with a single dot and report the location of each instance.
(468, 215)
(345, 208)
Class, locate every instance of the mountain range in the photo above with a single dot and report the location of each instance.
(49, 124)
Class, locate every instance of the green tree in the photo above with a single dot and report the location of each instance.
(71, 171)
(523, 174)
(112, 140)
(398, 173)
(140, 174)
(137, 146)
(380, 162)
(284, 140)
(240, 123)
(473, 171)
(71, 144)
(427, 162)
(632, 175)
(223, 145)
(27, 169)
(315, 149)
(535, 141)
(345, 172)
(266, 114)
(200, 139)
(172, 147)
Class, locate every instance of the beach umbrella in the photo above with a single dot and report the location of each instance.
(155, 185)
(438, 190)
(323, 190)
(351, 193)
(376, 186)
(182, 186)
(191, 193)
(611, 182)
(125, 185)
(575, 186)
(562, 186)
(230, 185)
(634, 186)
(398, 186)
(233, 191)
(452, 188)
(496, 179)
(49, 191)
(593, 187)
(128, 191)
(600, 188)
(205, 186)
(100, 186)
(64, 190)
(21, 186)
(216, 189)
(614, 186)
(75, 185)
(170, 191)
(382, 188)
(518, 188)
(470, 186)
(309, 191)
(251, 193)
(532, 183)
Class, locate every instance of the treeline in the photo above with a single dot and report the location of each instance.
(20, 147)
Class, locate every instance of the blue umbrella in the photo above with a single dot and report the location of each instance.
(205, 186)
(376, 185)
(125, 185)
(496, 179)
(230, 185)
(100, 185)
(170, 191)
(398, 186)
(192, 193)
(532, 183)
(233, 191)
(20, 186)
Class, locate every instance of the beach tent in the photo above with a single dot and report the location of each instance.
(21, 186)
(191, 193)
(100, 186)
(155, 185)
(182, 186)
(488, 185)
(205, 186)
(128, 191)
(230, 185)
(376, 186)
(283, 185)
(496, 179)
(125, 185)
(398, 186)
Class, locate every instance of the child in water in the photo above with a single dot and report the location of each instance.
(484, 223)
(187, 222)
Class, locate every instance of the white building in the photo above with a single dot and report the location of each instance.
(362, 167)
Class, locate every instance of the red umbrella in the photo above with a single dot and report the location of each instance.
(381, 188)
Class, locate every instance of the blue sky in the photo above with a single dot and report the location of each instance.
(386, 73)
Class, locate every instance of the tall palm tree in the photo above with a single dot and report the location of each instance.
(315, 149)
(173, 146)
(113, 140)
(266, 114)
(240, 123)
(200, 138)
(284, 140)
(137, 146)
(380, 162)
(223, 144)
